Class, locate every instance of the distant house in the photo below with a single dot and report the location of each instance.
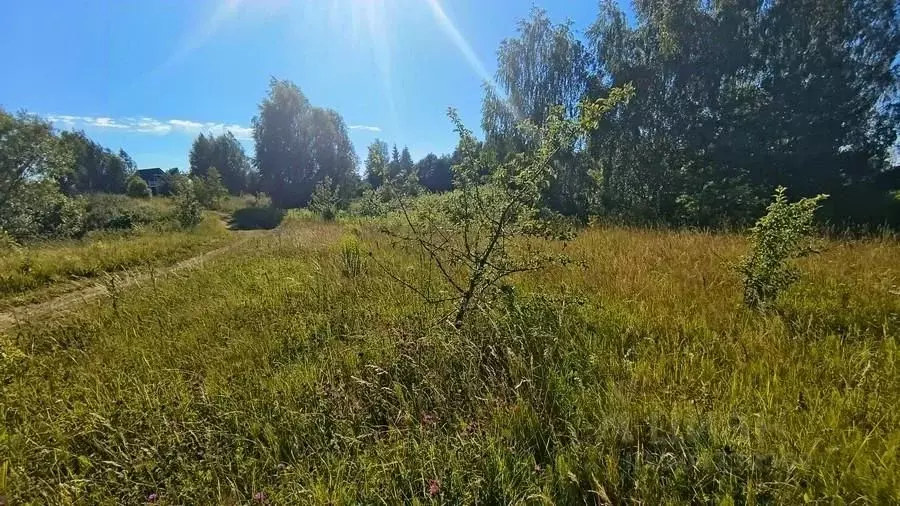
(155, 178)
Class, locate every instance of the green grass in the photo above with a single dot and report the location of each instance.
(639, 378)
(41, 270)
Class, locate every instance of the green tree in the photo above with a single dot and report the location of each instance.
(735, 98)
(778, 238)
(201, 155)
(471, 237)
(130, 165)
(434, 173)
(325, 199)
(406, 163)
(543, 67)
(298, 145)
(209, 190)
(282, 135)
(94, 168)
(393, 171)
(188, 208)
(226, 154)
(333, 155)
(376, 163)
(137, 187)
(30, 158)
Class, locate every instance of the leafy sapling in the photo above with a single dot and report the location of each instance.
(475, 235)
(781, 236)
(325, 200)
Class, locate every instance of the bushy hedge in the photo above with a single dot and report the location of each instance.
(118, 212)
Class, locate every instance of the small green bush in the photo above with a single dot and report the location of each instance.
(137, 187)
(40, 211)
(780, 236)
(254, 218)
(118, 212)
(188, 210)
(372, 203)
(209, 190)
(325, 200)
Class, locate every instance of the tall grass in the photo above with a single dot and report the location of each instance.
(45, 269)
(637, 378)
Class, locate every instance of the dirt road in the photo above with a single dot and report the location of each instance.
(65, 304)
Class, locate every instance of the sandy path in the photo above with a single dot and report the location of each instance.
(65, 304)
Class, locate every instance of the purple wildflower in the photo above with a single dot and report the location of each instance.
(152, 497)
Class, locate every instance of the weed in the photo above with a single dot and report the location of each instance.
(351, 258)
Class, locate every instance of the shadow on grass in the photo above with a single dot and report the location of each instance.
(256, 218)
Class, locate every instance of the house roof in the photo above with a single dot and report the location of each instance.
(155, 171)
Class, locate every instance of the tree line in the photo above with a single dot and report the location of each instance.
(733, 99)
(46, 175)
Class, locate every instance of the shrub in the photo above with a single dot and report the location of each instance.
(40, 211)
(209, 190)
(324, 200)
(780, 236)
(118, 212)
(253, 218)
(188, 210)
(260, 200)
(372, 203)
(137, 187)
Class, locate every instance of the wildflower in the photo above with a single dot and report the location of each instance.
(434, 487)
(152, 497)
(259, 497)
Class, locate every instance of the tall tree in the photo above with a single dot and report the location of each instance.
(376, 163)
(201, 155)
(95, 168)
(231, 161)
(735, 98)
(333, 155)
(32, 159)
(406, 163)
(130, 165)
(28, 152)
(226, 154)
(544, 66)
(394, 165)
(298, 145)
(434, 173)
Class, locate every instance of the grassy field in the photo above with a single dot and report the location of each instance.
(46, 269)
(273, 376)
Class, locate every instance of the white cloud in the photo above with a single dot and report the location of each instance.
(147, 125)
(185, 124)
(367, 128)
(104, 123)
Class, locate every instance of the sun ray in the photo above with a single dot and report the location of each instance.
(468, 53)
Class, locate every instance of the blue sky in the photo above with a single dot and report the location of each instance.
(148, 76)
